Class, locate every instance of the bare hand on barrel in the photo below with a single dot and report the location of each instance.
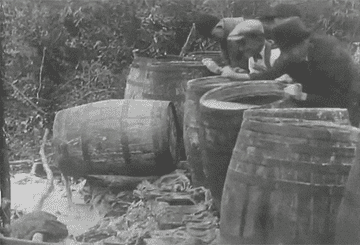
(237, 74)
(212, 66)
(285, 79)
(295, 91)
(227, 71)
(238, 69)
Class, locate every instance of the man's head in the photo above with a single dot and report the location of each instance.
(293, 35)
(224, 27)
(205, 23)
(247, 38)
(276, 15)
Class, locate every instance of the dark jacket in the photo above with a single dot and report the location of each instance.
(329, 76)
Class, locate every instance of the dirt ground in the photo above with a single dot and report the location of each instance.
(26, 189)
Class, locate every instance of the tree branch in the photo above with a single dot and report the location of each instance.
(40, 75)
(87, 94)
(50, 177)
(187, 43)
(26, 98)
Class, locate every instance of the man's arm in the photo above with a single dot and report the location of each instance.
(224, 52)
(274, 72)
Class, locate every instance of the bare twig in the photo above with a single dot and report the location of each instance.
(187, 43)
(50, 178)
(210, 46)
(26, 98)
(40, 75)
(89, 93)
(24, 161)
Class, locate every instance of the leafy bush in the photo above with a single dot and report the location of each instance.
(65, 53)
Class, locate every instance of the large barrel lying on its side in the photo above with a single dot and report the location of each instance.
(120, 137)
(195, 89)
(221, 113)
(285, 181)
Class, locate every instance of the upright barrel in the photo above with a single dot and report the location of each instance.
(348, 218)
(285, 181)
(195, 89)
(133, 89)
(119, 137)
(167, 81)
(221, 113)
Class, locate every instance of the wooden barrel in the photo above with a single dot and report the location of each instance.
(348, 218)
(221, 113)
(285, 181)
(136, 74)
(335, 115)
(167, 81)
(195, 89)
(120, 137)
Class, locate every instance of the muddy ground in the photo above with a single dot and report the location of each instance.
(26, 190)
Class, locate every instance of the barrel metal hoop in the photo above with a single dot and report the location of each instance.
(308, 166)
(163, 97)
(275, 184)
(124, 137)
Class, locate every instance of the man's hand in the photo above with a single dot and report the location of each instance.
(239, 70)
(284, 79)
(227, 71)
(230, 73)
(211, 65)
(295, 91)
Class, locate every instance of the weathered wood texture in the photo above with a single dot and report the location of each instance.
(285, 181)
(348, 218)
(221, 113)
(119, 137)
(195, 89)
(164, 81)
(138, 73)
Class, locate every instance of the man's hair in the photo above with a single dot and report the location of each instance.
(205, 23)
(282, 10)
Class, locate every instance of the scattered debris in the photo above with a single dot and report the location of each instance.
(167, 211)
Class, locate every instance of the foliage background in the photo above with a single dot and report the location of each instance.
(63, 53)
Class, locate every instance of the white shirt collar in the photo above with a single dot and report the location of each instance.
(262, 53)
